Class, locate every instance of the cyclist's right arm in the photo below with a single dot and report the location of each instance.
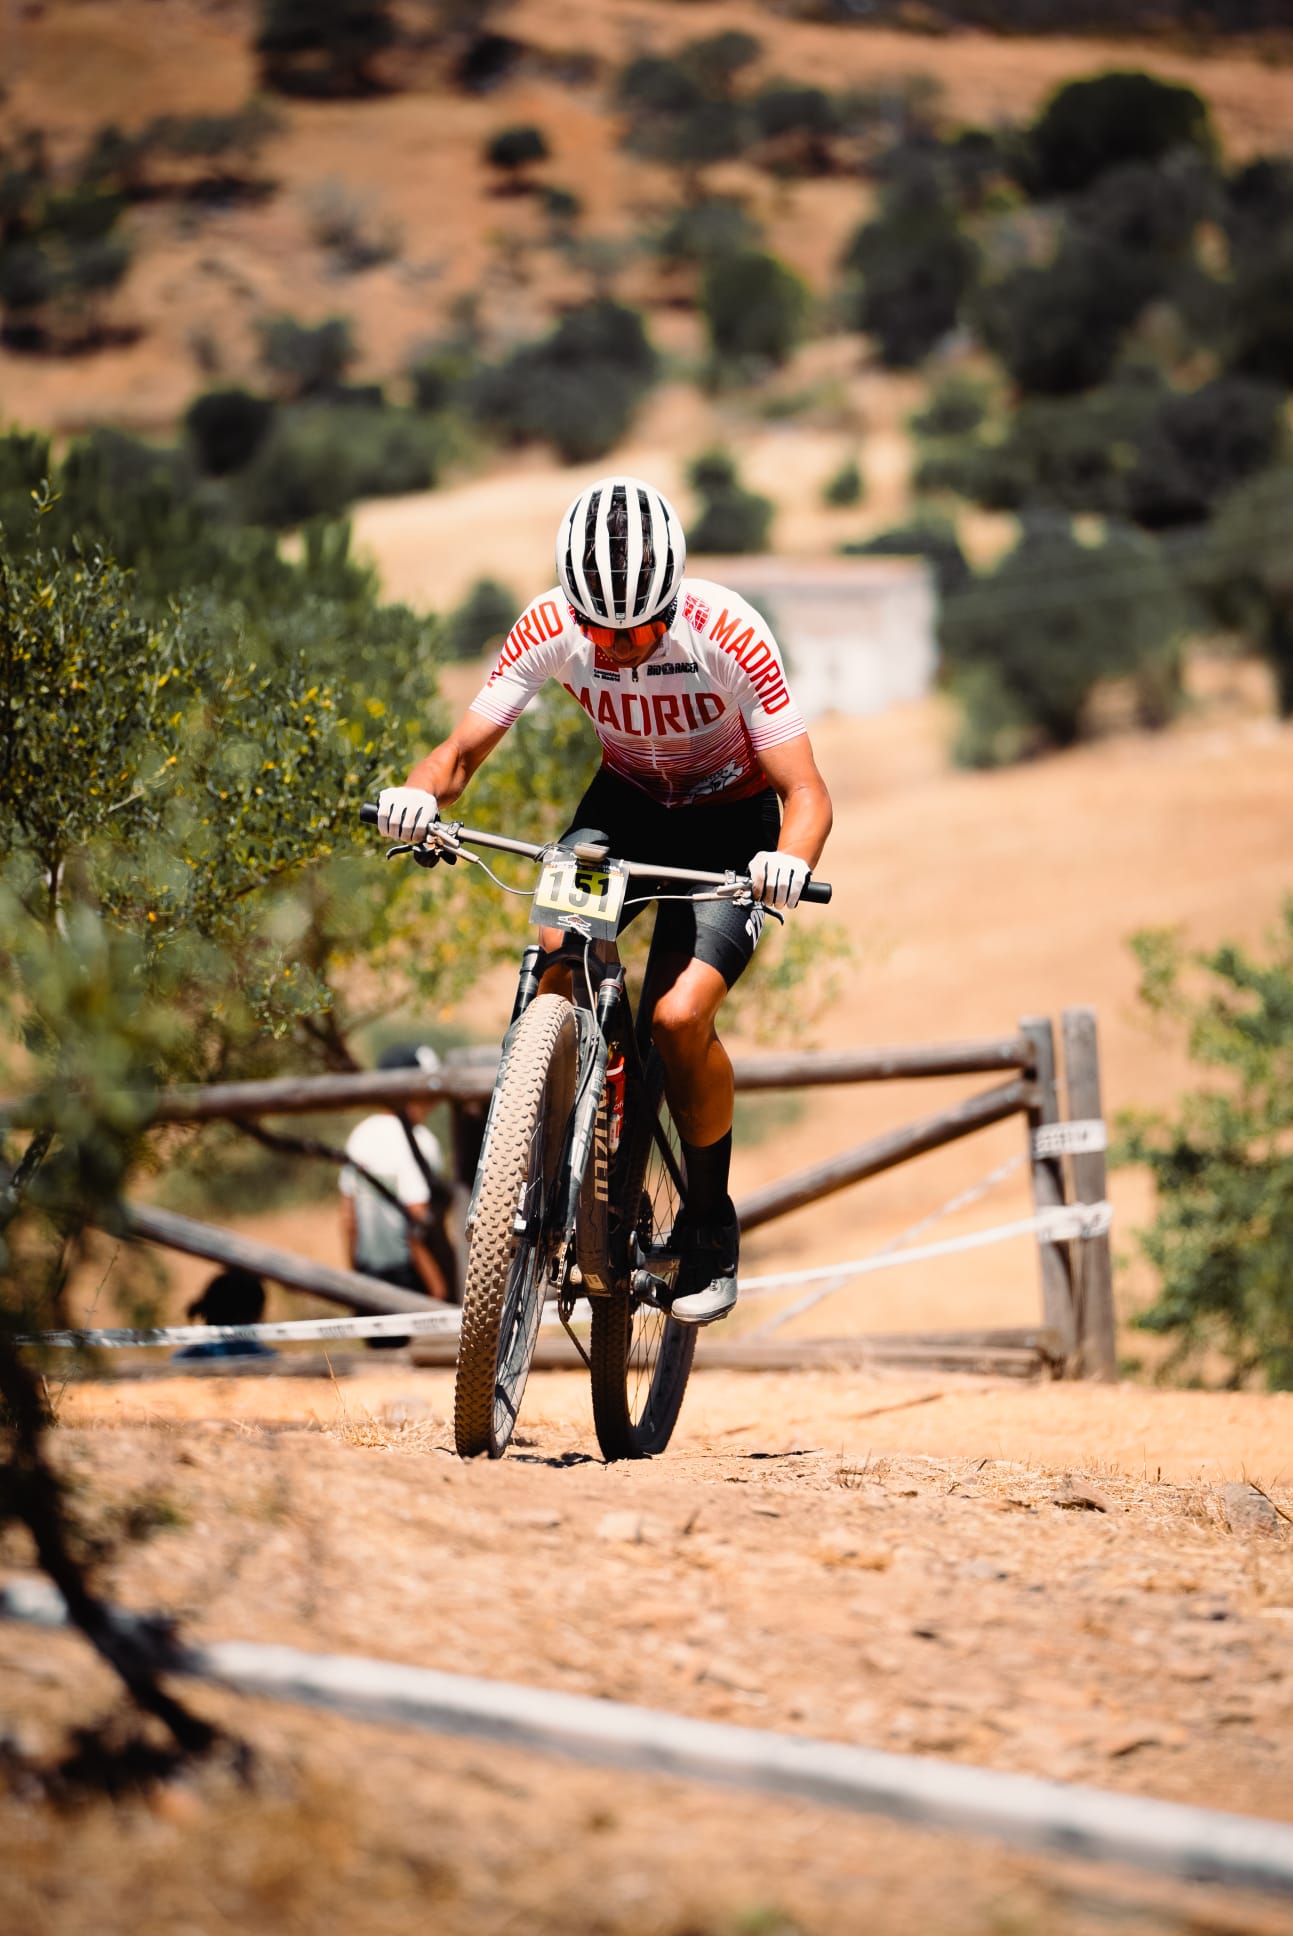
(446, 770)
(405, 813)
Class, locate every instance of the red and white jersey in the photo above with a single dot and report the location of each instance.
(690, 723)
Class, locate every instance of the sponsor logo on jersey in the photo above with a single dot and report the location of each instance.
(696, 612)
(642, 715)
(718, 782)
(756, 658)
(674, 665)
(600, 672)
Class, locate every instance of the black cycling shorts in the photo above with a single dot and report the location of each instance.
(713, 835)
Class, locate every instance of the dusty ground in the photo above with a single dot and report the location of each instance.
(874, 1561)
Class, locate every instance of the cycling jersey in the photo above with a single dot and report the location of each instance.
(686, 726)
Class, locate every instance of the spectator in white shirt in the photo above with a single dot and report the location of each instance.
(403, 1242)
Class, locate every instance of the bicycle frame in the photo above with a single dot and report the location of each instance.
(598, 998)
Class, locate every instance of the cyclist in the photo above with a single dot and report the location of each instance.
(705, 764)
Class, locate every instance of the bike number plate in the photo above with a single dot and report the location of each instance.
(573, 890)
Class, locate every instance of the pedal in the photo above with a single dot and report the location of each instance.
(656, 1263)
(649, 1289)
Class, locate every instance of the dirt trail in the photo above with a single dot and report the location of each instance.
(795, 1562)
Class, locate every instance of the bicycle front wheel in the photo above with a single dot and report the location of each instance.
(515, 1238)
(640, 1357)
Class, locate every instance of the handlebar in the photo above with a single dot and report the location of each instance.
(819, 891)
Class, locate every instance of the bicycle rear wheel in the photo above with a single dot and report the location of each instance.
(515, 1240)
(640, 1358)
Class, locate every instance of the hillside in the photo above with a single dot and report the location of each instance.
(410, 161)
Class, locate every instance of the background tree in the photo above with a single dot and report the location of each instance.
(916, 268)
(1027, 643)
(1090, 126)
(1244, 571)
(513, 153)
(754, 309)
(322, 47)
(731, 518)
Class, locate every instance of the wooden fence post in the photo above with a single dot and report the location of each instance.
(1096, 1338)
(1048, 1187)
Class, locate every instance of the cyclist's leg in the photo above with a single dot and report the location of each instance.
(683, 999)
(686, 992)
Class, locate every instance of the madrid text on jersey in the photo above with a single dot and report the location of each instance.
(686, 724)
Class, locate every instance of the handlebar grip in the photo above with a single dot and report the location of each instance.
(368, 813)
(817, 891)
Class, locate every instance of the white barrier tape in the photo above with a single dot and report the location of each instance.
(1080, 1138)
(401, 1324)
(1198, 1845)
(1064, 1222)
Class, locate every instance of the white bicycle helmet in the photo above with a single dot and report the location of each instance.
(621, 553)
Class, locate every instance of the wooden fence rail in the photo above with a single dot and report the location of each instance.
(468, 1077)
(1076, 1276)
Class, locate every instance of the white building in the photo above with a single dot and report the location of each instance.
(858, 634)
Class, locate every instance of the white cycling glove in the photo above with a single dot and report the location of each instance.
(405, 813)
(778, 879)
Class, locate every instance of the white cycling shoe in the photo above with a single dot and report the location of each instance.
(707, 1274)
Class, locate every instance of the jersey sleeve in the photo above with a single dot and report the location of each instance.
(536, 649)
(748, 661)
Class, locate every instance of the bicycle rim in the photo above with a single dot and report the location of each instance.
(641, 1359)
(514, 1242)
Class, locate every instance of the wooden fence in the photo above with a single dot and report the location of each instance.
(1076, 1334)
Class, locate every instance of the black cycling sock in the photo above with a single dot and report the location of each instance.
(707, 1171)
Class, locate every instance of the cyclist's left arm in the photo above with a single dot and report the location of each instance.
(806, 813)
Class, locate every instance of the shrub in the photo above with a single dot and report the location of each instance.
(732, 519)
(1071, 453)
(714, 62)
(484, 617)
(704, 231)
(1258, 205)
(916, 268)
(1262, 310)
(1244, 575)
(929, 536)
(227, 428)
(322, 47)
(514, 151)
(344, 224)
(1055, 618)
(652, 85)
(1222, 1236)
(576, 388)
(754, 308)
(1146, 207)
(1089, 127)
(318, 459)
(955, 405)
(1201, 445)
(683, 110)
(796, 125)
(845, 486)
(1058, 329)
(309, 359)
(562, 207)
(487, 61)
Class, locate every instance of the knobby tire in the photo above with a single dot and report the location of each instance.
(508, 1269)
(641, 1359)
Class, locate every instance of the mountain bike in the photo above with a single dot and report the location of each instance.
(581, 1178)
